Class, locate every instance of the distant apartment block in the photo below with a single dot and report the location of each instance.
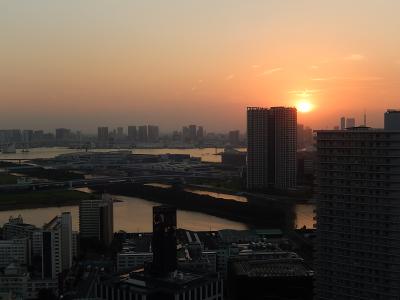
(271, 149)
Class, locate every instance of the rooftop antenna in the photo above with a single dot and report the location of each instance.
(365, 118)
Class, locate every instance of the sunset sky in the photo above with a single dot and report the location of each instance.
(84, 63)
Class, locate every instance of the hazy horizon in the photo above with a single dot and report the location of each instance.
(83, 64)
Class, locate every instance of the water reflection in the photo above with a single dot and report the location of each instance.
(131, 215)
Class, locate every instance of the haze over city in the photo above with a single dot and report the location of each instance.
(82, 64)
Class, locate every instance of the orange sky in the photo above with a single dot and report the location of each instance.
(80, 64)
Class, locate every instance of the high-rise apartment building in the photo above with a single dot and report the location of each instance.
(142, 134)
(132, 133)
(271, 149)
(192, 132)
(392, 119)
(358, 213)
(96, 219)
(102, 134)
(153, 133)
(54, 244)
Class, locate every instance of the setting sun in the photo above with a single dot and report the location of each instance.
(304, 106)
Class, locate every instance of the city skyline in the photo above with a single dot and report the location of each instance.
(106, 63)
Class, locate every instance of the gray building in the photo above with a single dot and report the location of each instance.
(392, 119)
(96, 219)
(358, 213)
(271, 147)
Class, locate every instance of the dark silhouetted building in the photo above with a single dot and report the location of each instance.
(358, 213)
(63, 134)
(164, 240)
(392, 119)
(153, 133)
(142, 134)
(102, 134)
(271, 148)
(96, 219)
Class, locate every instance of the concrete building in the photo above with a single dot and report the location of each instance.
(142, 134)
(15, 228)
(96, 219)
(102, 134)
(271, 149)
(358, 213)
(16, 280)
(392, 119)
(15, 250)
(153, 133)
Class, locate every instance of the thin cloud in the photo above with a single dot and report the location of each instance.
(230, 76)
(305, 92)
(367, 78)
(256, 66)
(354, 57)
(314, 67)
(270, 71)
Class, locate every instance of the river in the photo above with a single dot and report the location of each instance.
(134, 214)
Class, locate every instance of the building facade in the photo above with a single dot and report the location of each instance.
(358, 214)
(271, 148)
(96, 219)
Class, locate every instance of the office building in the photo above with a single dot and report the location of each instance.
(96, 219)
(358, 213)
(392, 119)
(271, 149)
(142, 134)
(153, 133)
(54, 243)
(15, 250)
(132, 133)
(16, 228)
(102, 134)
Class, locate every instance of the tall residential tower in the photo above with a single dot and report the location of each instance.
(358, 214)
(271, 149)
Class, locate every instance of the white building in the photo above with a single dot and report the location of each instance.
(358, 214)
(271, 147)
(55, 244)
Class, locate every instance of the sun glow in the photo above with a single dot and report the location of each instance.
(304, 106)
